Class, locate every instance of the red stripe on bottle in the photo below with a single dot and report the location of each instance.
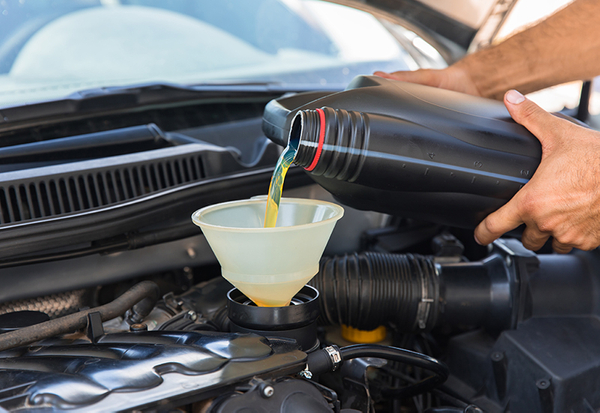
(321, 141)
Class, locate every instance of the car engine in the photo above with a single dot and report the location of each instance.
(113, 301)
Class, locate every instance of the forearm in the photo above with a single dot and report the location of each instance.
(562, 48)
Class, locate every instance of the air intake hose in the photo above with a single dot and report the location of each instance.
(413, 293)
(367, 290)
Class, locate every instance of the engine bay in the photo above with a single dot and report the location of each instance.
(113, 301)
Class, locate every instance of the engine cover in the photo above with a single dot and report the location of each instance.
(140, 370)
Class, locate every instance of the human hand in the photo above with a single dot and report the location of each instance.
(562, 199)
(452, 78)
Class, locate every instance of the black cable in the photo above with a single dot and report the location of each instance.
(439, 369)
(440, 392)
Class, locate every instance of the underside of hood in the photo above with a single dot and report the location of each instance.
(466, 23)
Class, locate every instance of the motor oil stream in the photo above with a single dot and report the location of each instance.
(276, 185)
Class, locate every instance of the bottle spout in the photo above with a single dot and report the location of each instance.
(330, 142)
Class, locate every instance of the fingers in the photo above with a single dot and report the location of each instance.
(385, 75)
(560, 248)
(422, 77)
(533, 239)
(451, 78)
(496, 224)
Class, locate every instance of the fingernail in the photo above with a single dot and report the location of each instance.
(476, 240)
(514, 97)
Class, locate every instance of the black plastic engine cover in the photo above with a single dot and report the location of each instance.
(128, 371)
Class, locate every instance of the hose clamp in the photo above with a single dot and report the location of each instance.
(427, 299)
(334, 354)
(306, 373)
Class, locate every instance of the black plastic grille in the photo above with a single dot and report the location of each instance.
(46, 197)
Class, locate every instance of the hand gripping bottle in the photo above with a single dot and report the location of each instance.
(407, 149)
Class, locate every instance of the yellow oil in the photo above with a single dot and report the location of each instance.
(269, 295)
(276, 186)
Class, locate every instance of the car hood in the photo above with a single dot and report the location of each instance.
(466, 23)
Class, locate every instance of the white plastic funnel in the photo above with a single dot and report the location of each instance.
(269, 265)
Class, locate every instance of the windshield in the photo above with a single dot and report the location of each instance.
(51, 48)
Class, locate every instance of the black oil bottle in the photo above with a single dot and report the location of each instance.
(408, 149)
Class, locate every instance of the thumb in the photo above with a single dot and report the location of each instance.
(530, 115)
